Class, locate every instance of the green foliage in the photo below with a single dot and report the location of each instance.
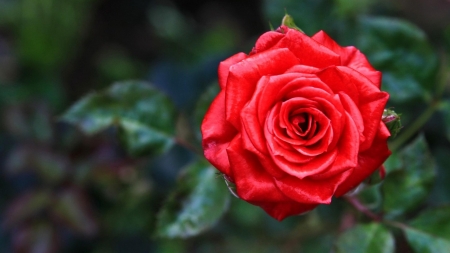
(402, 52)
(47, 30)
(368, 238)
(144, 116)
(410, 180)
(430, 231)
(197, 203)
(445, 109)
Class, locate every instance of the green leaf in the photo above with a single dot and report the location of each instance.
(367, 238)
(403, 53)
(408, 185)
(144, 116)
(195, 205)
(430, 231)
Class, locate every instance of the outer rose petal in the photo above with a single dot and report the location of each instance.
(216, 134)
(257, 187)
(253, 183)
(368, 161)
(311, 191)
(224, 68)
(350, 57)
(281, 210)
(266, 41)
(308, 51)
(369, 99)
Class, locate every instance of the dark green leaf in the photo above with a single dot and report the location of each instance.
(402, 52)
(195, 205)
(144, 116)
(407, 186)
(430, 231)
(368, 238)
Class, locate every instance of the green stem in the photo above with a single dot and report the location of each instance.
(414, 127)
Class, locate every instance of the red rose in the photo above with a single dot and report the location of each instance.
(297, 121)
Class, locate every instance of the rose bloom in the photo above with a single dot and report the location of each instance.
(297, 121)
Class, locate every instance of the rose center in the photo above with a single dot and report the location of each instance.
(302, 122)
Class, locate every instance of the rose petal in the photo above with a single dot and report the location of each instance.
(369, 99)
(281, 87)
(353, 110)
(281, 210)
(252, 130)
(310, 191)
(368, 161)
(224, 68)
(266, 41)
(303, 69)
(302, 170)
(348, 148)
(340, 82)
(253, 183)
(216, 134)
(308, 51)
(280, 147)
(244, 75)
(350, 57)
(317, 127)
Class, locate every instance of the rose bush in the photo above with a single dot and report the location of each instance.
(297, 121)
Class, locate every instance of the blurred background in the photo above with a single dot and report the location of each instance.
(63, 191)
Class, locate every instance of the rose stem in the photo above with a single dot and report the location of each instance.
(362, 208)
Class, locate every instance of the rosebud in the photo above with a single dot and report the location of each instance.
(392, 121)
(289, 22)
